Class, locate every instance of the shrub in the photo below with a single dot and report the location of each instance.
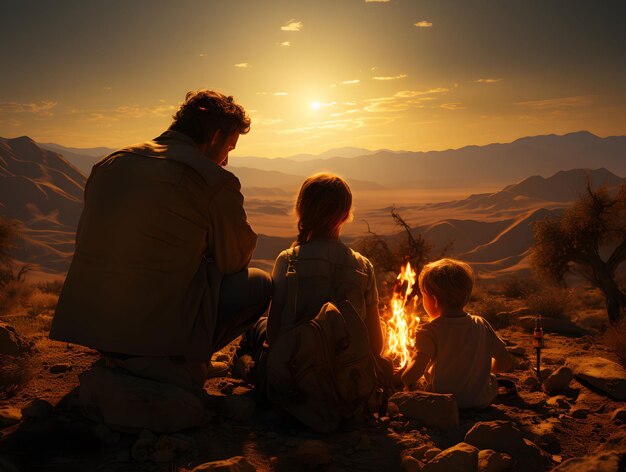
(551, 302)
(40, 302)
(13, 294)
(55, 287)
(615, 337)
(488, 306)
(520, 287)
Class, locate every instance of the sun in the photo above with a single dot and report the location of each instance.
(316, 105)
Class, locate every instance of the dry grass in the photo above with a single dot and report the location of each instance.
(14, 294)
(41, 303)
(615, 338)
(551, 302)
(487, 306)
(520, 287)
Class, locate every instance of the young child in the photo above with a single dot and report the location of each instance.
(456, 352)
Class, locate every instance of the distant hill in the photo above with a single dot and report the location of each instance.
(493, 231)
(44, 193)
(82, 158)
(469, 166)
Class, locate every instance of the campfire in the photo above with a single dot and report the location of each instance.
(401, 320)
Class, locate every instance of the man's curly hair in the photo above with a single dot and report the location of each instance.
(205, 111)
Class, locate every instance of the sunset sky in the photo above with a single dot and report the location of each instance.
(397, 74)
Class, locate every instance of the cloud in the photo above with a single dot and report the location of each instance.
(261, 93)
(134, 111)
(243, 65)
(423, 24)
(453, 106)
(285, 44)
(106, 87)
(487, 81)
(267, 121)
(292, 25)
(280, 94)
(395, 77)
(417, 93)
(348, 82)
(203, 54)
(377, 1)
(42, 107)
(334, 125)
(552, 103)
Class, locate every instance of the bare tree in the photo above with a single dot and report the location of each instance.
(594, 224)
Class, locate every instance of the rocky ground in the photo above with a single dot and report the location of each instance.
(577, 412)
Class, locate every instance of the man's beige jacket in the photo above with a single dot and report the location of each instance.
(162, 224)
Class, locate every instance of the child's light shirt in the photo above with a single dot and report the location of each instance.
(460, 350)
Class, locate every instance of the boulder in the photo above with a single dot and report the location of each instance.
(503, 436)
(410, 464)
(460, 458)
(10, 416)
(128, 403)
(552, 325)
(558, 381)
(11, 343)
(37, 409)
(605, 462)
(234, 464)
(431, 453)
(580, 412)
(313, 453)
(432, 410)
(601, 373)
(492, 461)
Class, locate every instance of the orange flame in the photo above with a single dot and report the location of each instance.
(403, 321)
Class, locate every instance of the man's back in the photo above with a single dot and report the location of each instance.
(137, 282)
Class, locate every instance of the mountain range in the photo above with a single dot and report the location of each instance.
(43, 191)
(470, 166)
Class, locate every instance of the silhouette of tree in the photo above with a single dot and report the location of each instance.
(592, 225)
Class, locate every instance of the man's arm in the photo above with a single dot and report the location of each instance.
(231, 239)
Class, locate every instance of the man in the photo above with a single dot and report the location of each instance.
(159, 278)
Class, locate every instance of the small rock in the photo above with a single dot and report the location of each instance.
(552, 325)
(430, 453)
(580, 412)
(234, 464)
(313, 453)
(274, 461)
(104, 434)
(606, 462)
(221, 357)
(11, 343)
(433, 410)
(516, 350)
(410, 464)
(559, 401)
(384, 421)
(492, 461)
(37, 409)
(619, 414)
(530, 381)
(460, 458)
(10, 416)
(396, 425)
(392, 410)
(60, 368)
(419, 452)
(558, 381)
(606, 375)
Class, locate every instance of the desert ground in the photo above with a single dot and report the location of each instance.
(43, 429)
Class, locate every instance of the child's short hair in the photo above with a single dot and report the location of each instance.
(449, 281)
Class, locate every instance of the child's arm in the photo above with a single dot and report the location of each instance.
(415, 369)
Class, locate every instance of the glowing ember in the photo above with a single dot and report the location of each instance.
(402, 321)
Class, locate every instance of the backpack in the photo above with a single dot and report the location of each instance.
(322, 369)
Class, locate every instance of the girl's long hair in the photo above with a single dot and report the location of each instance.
(324, 204)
